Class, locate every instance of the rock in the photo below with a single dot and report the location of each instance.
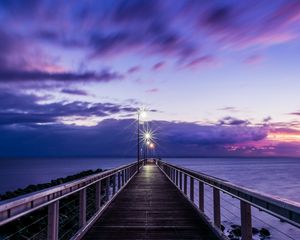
(235, 226)
(222, 228)
(264, 232)
(237, 231)
(255, 230)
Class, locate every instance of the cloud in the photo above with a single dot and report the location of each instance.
(295, 113)
(74, 92)
(134, 69)
(229, 109)
(112, 137)
(18, 108)
(179, 32)
(158, 66)
(17, 75)
(152, 90)
(233, 121)
(206, 60)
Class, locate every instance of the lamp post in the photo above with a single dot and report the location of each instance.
(141, 113)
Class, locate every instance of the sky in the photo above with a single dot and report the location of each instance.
(217, 78)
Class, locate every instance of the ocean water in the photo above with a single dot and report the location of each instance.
(274, 176)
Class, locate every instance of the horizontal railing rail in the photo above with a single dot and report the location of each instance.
(283, 209)
(114, 180)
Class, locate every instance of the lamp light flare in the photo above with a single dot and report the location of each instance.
(147, 135)
(151, 145)
(143, 114)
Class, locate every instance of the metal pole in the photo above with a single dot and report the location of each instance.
(138, 143)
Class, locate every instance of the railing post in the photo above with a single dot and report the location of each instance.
(98, 195)
(192, 189)
(53, 220)
(217, 208)
(185, 184)
(114, 184)
(180, 180)
(176, 177)
(107, 183)
(201, 196)
(246, 223)
(119, 180)
(123, 177)
(82, 208)
(173, 175)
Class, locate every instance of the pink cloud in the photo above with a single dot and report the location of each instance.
(134, 69)
(158, 66)
(202, 61)
(152, 90)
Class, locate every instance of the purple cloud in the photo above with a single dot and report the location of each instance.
(173, 139)
(233, 121)
(17, 75)
(158, 66)
(18, 108)
(295, 113)
(134, 69)
(202, 61)
(152, 90)
(74, 92)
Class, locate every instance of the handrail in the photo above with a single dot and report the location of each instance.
(82, 182)
(281, 208)
(15, 208)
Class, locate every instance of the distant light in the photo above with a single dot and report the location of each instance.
(148, 142)
(151, 145)
(143, 113)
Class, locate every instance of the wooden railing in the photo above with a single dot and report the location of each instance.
(283, 209)
(113, 181)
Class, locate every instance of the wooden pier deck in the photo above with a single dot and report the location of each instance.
(150, 207)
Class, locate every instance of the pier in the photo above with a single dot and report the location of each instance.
(160, 201)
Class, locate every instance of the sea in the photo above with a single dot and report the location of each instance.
(273, 176)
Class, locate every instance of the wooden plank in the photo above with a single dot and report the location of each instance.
(53, 219)
(150, 207)
(246, 221)
(217, 208)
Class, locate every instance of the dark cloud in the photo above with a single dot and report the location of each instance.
(233, 121)
(230, 109)
(136, 10)
(17, 108)
(17, 75)
(295, 113)
(219, 15)
(74, 92)
(113, 137)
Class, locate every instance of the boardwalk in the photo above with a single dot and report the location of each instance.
(150, 207)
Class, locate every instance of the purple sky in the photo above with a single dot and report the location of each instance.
(221, 78)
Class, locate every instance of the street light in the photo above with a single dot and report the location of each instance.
(140, 114)
(151, 145)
